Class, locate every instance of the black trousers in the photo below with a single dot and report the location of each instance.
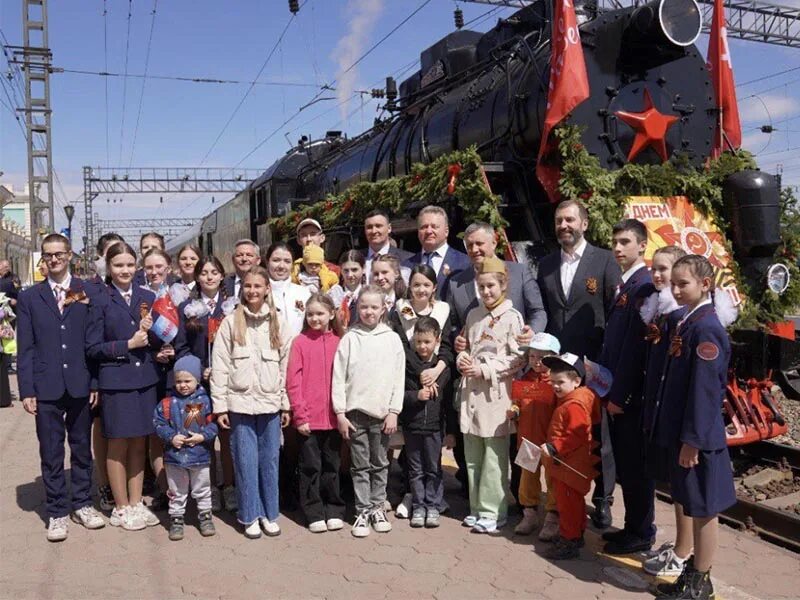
(638, 489)
(319, 461)
(424, 462)
(604, 482)
(71, 418)
(5, 388)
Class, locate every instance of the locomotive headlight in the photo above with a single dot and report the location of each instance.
(677, 22)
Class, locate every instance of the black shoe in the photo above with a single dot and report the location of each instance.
(690, 585)
(601, 517)
(628, 544)
(207, 528)
(564, 550)
(614, 536)
(159, 502)
(176, 528)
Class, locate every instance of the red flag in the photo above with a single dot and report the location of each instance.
(569, 86)
(719, 63)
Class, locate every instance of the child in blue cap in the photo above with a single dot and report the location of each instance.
(185, 423)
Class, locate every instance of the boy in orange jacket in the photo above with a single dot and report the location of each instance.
(533, 402)
(567, 453)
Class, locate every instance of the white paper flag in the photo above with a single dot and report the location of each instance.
(528, 455)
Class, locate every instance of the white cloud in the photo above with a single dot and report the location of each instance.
(759, 110)
(361, 16)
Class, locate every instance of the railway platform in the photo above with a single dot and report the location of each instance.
(442, 563)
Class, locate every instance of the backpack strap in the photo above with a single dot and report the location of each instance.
(165, 407)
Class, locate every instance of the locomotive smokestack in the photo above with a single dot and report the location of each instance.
(671, 22)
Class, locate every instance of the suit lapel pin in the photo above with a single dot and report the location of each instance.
(591, 285)
(446, 269)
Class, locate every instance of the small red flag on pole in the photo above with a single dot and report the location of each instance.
(569, 86)
(729, 130)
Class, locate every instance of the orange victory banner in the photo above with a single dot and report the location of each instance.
(673, 221)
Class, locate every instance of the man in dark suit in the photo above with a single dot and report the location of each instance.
(578, 284)
(377, 229)
(246, 255)
(624, 354)
(432, 229)
(480, 240)
(55, 385)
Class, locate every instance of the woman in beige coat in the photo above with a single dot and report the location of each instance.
(485, 396)
(248, 387)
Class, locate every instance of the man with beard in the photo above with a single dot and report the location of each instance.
(578, 284)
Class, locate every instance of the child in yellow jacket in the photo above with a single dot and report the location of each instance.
(312, 272)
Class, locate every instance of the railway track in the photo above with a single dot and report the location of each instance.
(780, 526)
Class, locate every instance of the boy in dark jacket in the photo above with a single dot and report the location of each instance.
(185, 422)
(423, 421)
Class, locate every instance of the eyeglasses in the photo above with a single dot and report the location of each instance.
(59, 256)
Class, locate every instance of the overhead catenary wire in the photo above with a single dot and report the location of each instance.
(144, 82)
(125, 81)
(190, 79)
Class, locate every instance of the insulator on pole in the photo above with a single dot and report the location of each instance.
(294, 6)
(458, 16)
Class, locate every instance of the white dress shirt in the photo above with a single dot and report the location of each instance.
(569, 265)
(211, 303)
(123, 292)
(64, 286)
(627, 274)
(437, 260)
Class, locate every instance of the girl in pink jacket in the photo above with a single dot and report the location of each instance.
(308, 383)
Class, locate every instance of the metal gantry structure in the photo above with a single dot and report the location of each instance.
(136, 227)
(156, 180)
(35, 59)
(752, 20)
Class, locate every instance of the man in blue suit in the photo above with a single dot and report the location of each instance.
(55, 385)
(624, 353)
(246, 255)
(432, 229)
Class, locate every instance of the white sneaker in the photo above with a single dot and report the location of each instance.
(229, 498)
(318, 527)
(665, 563)
(127, 518)
(361, 526)
(216, 500)
(549, 531)
(57, 529)
(253, 531)
(380, 522)
(470, 520)
(89, 517)
(147, 515)
(404, 508)
(271, 528)
(334, 524)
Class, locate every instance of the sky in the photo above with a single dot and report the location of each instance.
(118, 121)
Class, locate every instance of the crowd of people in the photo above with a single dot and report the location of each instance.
(305, 374)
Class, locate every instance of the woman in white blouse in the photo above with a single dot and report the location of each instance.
(290, 298)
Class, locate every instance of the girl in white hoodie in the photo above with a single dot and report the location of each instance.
(367, 390)
(248, 385)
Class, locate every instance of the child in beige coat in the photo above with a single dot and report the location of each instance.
(485, 396)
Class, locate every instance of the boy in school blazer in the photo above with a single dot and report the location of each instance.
(624, 353)
(55, 384)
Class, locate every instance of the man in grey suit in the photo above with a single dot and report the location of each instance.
(480, 240)
(578, 285)
(377, 229)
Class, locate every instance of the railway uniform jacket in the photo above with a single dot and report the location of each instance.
(624, 344)
(196, 341)
(249, 379)
(523, 292)
(578, 320)
(689, 402)
(52, 346)
(484, 400)
(454, 262)
(111, 324)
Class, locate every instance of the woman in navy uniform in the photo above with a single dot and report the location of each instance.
(119, 341)
(55, 384)
(688, 422)
(209, 300)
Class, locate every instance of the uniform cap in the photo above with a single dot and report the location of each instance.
(492, 264)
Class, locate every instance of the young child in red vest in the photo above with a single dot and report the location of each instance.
(533, 402)
(567, 453)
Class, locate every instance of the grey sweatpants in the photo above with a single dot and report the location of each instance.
(369, 461)
(180, 480)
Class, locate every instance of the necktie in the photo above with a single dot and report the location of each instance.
(127, 297)
(60, 297)
(212, 304)
(429, 258)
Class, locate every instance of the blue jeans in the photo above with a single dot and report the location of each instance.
(255, 445)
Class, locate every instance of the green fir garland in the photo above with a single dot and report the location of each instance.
(605, 192)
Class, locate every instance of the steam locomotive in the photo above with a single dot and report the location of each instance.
(490, 90)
